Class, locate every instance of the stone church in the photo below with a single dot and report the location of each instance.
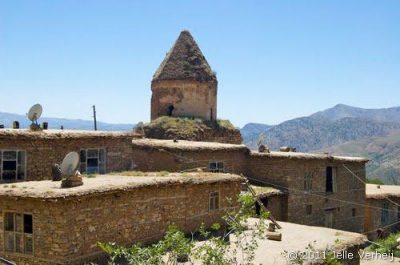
(184, 84)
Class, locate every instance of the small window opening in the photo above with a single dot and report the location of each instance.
(216, 167)
(309, 209)
(214, 201)
(385, 213)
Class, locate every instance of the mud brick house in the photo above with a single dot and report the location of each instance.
(29, 155)
(382, 210)
(316, 189)
(321, 190)
(41, 223)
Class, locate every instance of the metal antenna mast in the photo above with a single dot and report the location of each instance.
(94, 117)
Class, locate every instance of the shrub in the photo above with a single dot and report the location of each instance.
(387, 245)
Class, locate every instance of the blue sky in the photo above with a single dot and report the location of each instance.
(275, 60)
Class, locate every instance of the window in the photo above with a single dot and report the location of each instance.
(214, 201)
(385, 213)
(308, 181)
(353, 182)
(93, 161)
(330, 179)
(353, 212)
(309, 209)
(18, 230)
(216, 167)
(12, 165)
(398, 212)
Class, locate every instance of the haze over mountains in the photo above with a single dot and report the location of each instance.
(55, 123)
(344, 130)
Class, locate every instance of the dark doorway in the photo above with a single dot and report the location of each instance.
(170, 110)
(264, 201)
(329, 179)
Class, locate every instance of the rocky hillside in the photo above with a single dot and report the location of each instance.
(383, 152)
(341, 111)
(333, 126)
(346, 130)
(252, 131)
(311, 133)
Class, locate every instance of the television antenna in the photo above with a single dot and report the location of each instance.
(139, 128)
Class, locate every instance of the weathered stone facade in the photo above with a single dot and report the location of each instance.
(184, 85)
(342, 208)
(311, 205)
(382, 210)
(47, 147)
(156, 155)
(68, 223)
(188, 98)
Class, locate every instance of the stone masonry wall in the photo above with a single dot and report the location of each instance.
(290, 174)
(42, 153)
(156, 159)
(373, 214)
(189, 98)
(285, 173)
(345, 204)
(67, 230)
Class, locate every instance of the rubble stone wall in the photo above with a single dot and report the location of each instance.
(67, 230)
(42, 153)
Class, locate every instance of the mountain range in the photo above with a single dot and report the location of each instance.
(342, 130)
(55, 123)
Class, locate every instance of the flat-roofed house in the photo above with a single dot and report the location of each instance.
(42, 223)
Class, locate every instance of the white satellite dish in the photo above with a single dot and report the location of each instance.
(70, 164)
(35, 112)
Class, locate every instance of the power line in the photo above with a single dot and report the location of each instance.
(386, 197)
(317, 195)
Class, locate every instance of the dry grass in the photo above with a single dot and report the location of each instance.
(264, 190)
(163, 173)
(188, 128)
(54, 134)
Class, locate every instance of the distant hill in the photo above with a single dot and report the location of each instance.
(333, 126)
(383, 152)
(309, 133)
(252, 131)
(341, 111)
(342, 129)
(55, 123)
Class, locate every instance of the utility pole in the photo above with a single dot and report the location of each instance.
(94, 117)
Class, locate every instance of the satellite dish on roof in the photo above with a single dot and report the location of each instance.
(35, 112)
(70, 164)
(139, 128)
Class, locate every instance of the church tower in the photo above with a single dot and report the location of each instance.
(184, 84)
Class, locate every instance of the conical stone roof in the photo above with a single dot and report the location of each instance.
(184, 61)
